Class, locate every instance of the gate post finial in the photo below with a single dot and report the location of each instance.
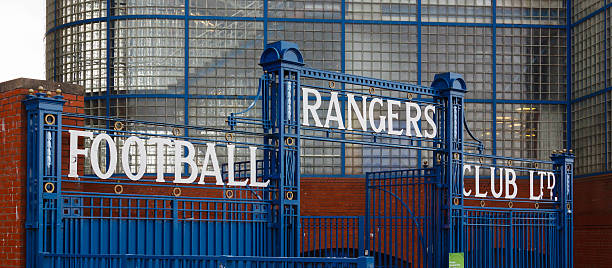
(449, 81)
(281, 52)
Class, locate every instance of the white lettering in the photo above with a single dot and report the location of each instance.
(477, 178)
(466, 168)
(253, 169)
(140, 153)
(361, 114)
(496, 194)
(381, 120)
(412, 121)
(179, 160)
(112, 156)
(75, 151)
(161, 156)
(391, 116)
(211, 156)
(306, 107)
(335, 106)
(230, 168)
(551, 181)
(511, 180)
(429, 118)
(531, 196)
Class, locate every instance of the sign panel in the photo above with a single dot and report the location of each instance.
(364, 108)
(503, 182)
(455, 260)
(184, 154)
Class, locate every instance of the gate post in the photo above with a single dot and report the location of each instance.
(448, 164)
(564, 168)
(44, 115)
(283, 61)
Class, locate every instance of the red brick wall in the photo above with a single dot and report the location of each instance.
(332, 196)
(12, 178)
(593, 222)
(13, 168)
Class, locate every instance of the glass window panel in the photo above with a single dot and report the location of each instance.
(382, 51)
(588, 134)
(479, 120)
(149, 56)
(223, 57)
(320, 43)
(472, 11)
(530, 130)
(588, 57)
(305, 9)
(77, 55)
(67, 11)
(531, 64)
(609, 47)
(464, 50)
(234, 8)
(148, 7)
(545, 12)
(582, 8)
(385, 10)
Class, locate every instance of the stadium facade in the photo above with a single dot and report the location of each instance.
(538, 72)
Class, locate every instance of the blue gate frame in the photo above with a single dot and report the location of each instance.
(69, 225)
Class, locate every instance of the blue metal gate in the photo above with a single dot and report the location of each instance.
(414, 218)
(401, 211)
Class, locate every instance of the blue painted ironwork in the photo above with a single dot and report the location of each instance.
(335, 236)
(283, 60)
(413, 217)
(448, 163)
(401, 207)
(43, 208)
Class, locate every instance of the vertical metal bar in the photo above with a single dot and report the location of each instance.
(365, 234)
(362, 229)
(605, 95)
(265, 23)
(176, 240)
(343, 70)
(494, 77)
(186, 71)
(568, 61)
(419, 65)
(404, 225)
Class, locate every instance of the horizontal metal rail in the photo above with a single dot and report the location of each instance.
(136, 260)
(369, 82)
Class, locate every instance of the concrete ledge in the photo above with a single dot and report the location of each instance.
(27, 83)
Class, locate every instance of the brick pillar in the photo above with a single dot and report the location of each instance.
(13, 158)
